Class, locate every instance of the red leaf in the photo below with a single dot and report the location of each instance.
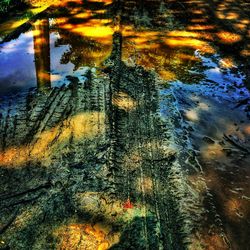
(128, 204)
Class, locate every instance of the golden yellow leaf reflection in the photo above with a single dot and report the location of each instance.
(106, 2)
(96, 34)
(227, 62)
(180, 42)
(154, 49)
(245, 52)
(11, 24)
(228, 37)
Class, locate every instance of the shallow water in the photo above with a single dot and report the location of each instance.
(76, 36)
(20, 63)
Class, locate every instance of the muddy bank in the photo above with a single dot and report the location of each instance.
(85, 164)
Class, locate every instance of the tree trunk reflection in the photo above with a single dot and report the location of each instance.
(42, 53)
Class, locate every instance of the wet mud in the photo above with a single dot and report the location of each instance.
(125, 125)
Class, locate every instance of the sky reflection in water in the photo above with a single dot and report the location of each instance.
(18, 68)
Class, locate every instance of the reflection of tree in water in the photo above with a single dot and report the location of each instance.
(83, 51)
(42, 53)
(226, 25)
(143, 44)
(88, 34)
